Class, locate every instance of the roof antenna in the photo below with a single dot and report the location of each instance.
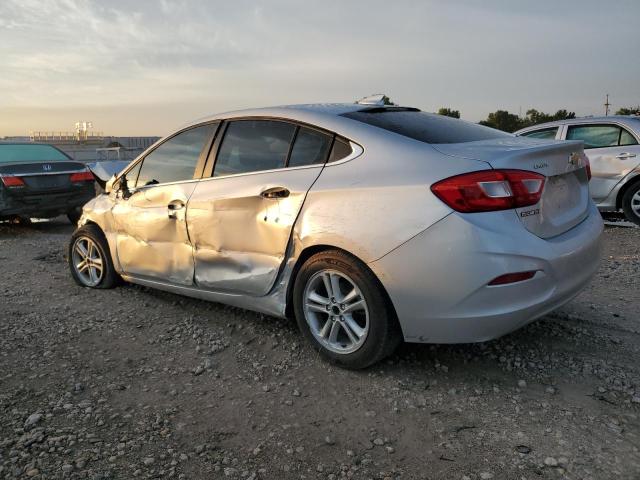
(378, 99)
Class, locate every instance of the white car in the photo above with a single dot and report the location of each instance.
(613, 147)
(368, 223)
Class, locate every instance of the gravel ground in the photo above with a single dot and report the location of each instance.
(134, 383)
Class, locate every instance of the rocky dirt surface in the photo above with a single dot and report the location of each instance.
(134, 383)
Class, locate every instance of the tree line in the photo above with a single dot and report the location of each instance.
(510, 122)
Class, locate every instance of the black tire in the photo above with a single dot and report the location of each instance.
(74, 215)
(109, 277)
(384, 334)
(628, 203)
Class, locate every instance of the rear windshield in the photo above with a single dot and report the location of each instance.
(426, 127)
(11, 153)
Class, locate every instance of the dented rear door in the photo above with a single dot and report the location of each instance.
(240, 222)
(240, 234)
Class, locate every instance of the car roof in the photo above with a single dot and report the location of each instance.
(325, 115)
(314, 108)
(624, 119)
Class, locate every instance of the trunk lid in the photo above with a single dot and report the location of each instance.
(42, 177)
(565, 198)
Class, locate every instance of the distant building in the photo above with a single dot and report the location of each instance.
(87, 145)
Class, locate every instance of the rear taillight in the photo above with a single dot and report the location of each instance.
(588, 167)
(85, 176)
(490, 190)
(11, 181)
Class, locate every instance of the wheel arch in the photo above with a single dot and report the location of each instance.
(311, 250)
(635, 180)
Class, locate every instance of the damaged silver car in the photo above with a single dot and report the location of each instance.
(369, 223)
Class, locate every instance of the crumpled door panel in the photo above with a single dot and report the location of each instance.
(149, 242)
(240, 238)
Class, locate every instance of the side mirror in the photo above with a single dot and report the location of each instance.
(124, 188)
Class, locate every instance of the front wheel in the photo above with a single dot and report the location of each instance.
(343, 310)
(631, 203)
(90, 259)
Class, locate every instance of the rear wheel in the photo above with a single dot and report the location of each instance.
(631, 203)
(343, 311)
(90, 259)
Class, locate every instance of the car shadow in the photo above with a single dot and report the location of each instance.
(52, 225)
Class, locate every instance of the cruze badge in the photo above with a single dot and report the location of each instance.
(46, 167)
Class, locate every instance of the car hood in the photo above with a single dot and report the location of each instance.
(104, 170)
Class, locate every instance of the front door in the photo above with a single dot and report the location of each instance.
(613, 152)
(240, 219)
(149, 216)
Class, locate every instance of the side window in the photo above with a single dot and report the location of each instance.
(175, 159)
(627, 139)
(310, 147)
(253, 145)
(340, 150)
(595, 136)
(549, 133)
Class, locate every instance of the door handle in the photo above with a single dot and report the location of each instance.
(622, 156)
(275, 192)
(174, 207)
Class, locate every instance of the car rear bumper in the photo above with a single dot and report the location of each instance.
(45, 204)
(438, 281)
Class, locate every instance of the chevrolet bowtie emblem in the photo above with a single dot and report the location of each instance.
(575, 159)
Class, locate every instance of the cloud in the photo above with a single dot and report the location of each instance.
(218, 55)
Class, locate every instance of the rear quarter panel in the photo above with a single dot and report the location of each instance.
(379, 200)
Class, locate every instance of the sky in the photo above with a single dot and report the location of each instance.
(147, 67)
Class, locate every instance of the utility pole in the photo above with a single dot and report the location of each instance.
(606, 106)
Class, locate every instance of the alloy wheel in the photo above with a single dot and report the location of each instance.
(336, 311)
(87, 261)
(635, 203)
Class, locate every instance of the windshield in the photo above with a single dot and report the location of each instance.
(426, 127)
(22, 153)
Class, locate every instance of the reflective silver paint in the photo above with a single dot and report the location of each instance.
(565, 198)
(231, 245)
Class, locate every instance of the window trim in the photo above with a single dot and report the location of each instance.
(620, 125)
(528, 133)
(212, 158)
(200, 164)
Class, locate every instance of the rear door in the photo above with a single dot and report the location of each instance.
(240, 218)
(613, 152)
(149, 216)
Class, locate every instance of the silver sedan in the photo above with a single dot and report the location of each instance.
(613, 147)
(369, 223)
